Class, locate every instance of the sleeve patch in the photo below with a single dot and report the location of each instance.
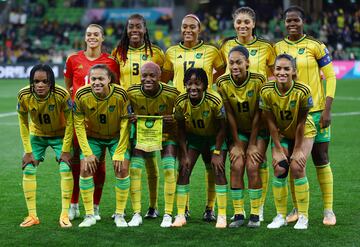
(310, 102)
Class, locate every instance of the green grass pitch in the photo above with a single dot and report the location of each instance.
(344, 155)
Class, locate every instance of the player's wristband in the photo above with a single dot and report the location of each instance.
(216, 152)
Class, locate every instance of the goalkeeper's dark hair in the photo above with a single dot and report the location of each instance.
(123, 45)
(200, 75)
(49, 74)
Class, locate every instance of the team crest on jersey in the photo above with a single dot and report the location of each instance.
(33, 110)
(301, 51)
(111, 108)
(205, 113)
(80, 66)
(232, 96)
(51, 107)
(253, 52)
(149, 123)
(162, 108)
(179, 56)
(144, 57)
(198, 55)
(292, 103)
(250, 93)
(92, 109)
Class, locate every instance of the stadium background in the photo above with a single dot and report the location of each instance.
(33, 31)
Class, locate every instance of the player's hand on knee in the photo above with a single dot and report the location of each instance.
(90, 163)
(65, 157)
(299, 157)
(254, 155)
(218, 163)
(117, 166)
(132, 118)
(236, 152)
(278, 155)
(28, 158)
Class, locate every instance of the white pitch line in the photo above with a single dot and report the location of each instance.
(347, 98)
(8, 114)
(344, 114)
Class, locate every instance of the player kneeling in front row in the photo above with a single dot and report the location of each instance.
(101, 121)
(149, 100)
(49, 107)
(286, 104)
(200, 115)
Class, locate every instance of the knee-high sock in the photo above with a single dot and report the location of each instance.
(87, 194)
(152, 171)
(237, 196)
(280, 191)
(182, 192)
(210, 186)
(264, 175)
(292, 190)
(302, 195)
(255, 197)
(75, 169)
(67, 184)
(122, 186)
(221, 198)
(325, 178)
(29, 187)
(99, 180)
(168, 164)
(137, 164)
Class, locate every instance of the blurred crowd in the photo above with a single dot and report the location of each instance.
(28, 36)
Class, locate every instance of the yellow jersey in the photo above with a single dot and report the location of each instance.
(243, 99)
(179, 58)
(102, 118)
(136, 57)
(200, 119)
(50, 116)
(311, 55)
(261, 54)
(162, 103)
(286, 108)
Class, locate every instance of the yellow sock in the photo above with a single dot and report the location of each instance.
(221, 198)
(280, 191)
(152, 171)
(87, 187)
(302, 195)
(136, 166)
(29, 187)
(237, 196)
(168, 164)
(255, 197)
(264, 175)
(325, 178)
(292, 190)
(182, 192)
(210, 186)
(122, 186)
(67, 184)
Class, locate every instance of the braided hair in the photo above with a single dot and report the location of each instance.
(123, 45)
(49, 73)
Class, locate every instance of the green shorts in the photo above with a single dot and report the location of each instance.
(97, 146)
(284, 142)
(40, 143)
(245, 137)
(201, 143)
(322, 134)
